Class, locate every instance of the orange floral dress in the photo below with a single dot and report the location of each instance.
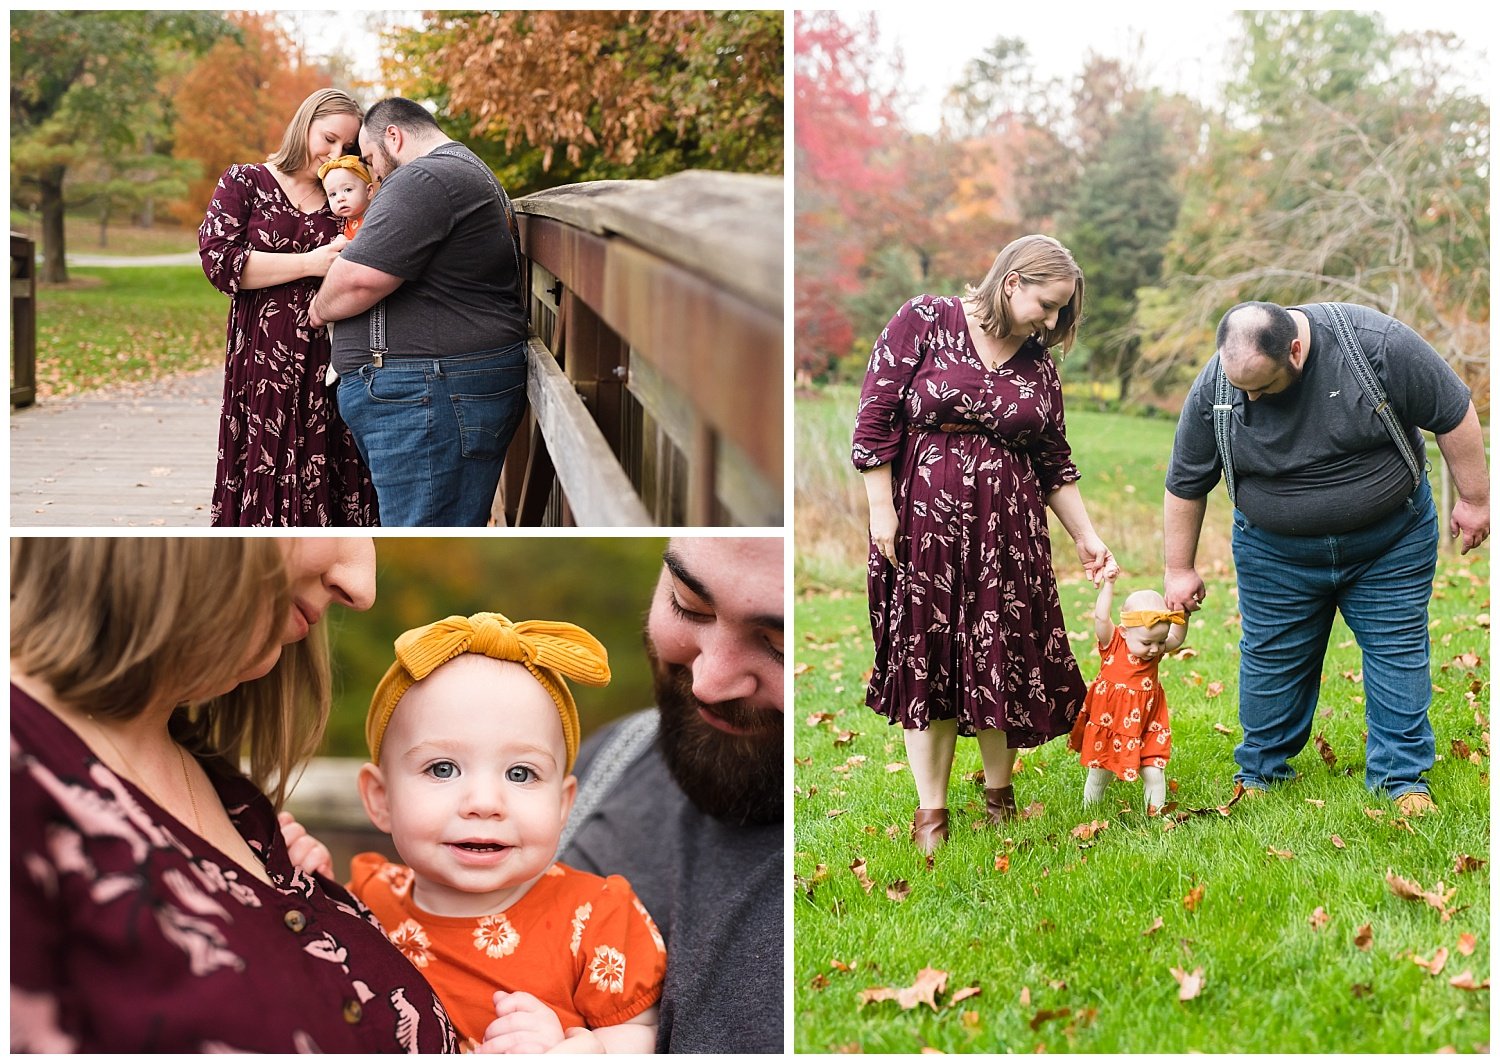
(582, 944)
(1123, 726)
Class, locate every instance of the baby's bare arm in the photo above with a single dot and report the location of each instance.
(1176, 636)
(1104, 622)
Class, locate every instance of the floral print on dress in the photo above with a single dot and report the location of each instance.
(580, 920)
(495, 937)
(967, 624)
(409, 937)
(607, 969)
(285, 458)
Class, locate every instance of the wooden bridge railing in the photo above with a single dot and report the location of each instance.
(22, 320)
(658, 369)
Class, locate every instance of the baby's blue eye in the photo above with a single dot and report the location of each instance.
(519, 774)
(442, 770)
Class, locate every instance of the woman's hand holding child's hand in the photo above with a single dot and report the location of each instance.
(306, 852)
(523, 1025)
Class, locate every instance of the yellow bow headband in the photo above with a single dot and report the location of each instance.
(550, 650)
(1151, 618)
(346, 162)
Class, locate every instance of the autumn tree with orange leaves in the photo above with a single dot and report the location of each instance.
(233, 106)
(551, 97)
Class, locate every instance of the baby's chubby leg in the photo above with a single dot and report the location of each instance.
(1093, 787)
(1155, 782)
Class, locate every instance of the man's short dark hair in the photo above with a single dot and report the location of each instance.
(400, 112)
(1265, 329)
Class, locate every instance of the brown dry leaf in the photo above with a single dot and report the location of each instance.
(1194, 897)
(1465, 863)
(818, 982)
(1213, 690)
(1314, 801)
(844, 738)
(900, 890)
(1461, 749)
(1002, 862)
(896, 766)
(1032, 811)
(1437, 897)
(1467, 660)
(1324, 750)
(1359, 990)
(1363, 938)
(835, 812)
(1285, 855)
(1434, 966)
(1172, 786)
(1049, 1014)
(1465, 981)
(1084, 832)
(841, 966)
(802, 668)
(1223, 730)
(1318, 919)
(970, 1019)
(1189, 985)
(819, 718)
(965, 994)
(857, 866)
(1466, 944)
(924, 991)
(1338, 842)
(1374, 814)
(1058, 984)
(1185, 653)
(1156, 925)
(1025, 996)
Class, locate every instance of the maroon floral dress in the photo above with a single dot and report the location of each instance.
(130, 934)
(285, 457)
(967, 625)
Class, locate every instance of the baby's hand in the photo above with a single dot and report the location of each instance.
(339, 242)
(522, 1025)
(580, 1040)
(306, 852)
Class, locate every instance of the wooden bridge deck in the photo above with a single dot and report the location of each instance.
(119, 458)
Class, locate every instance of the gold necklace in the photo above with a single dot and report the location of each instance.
(181, 760)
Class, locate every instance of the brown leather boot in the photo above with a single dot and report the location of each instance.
(929, 829)
(1000, 804)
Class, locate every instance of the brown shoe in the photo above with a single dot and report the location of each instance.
(929, 829)
(1000, 804)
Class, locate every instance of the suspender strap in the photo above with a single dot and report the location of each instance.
(627, 743)
(1223, 408)
(377, 335)
(1370, 383)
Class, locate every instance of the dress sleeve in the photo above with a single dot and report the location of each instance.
(878, 423)
(620, 956)
(224, 236)
(39, 1019)
(1051, 457)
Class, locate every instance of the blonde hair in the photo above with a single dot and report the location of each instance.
(1036, 259)
(114, 625)
(292, 156)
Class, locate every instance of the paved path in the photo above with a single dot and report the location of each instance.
(131, 456)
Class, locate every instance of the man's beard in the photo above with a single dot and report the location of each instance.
(391, 163)
(734, 778)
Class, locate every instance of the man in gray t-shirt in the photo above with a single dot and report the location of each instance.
(430, 347)
(1328, 516)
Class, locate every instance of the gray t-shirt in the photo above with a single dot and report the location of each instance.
(1315, 460)
(437, 224)
(715, 890)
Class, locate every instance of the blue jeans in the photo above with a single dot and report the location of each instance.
(434, 431)
(1380, 578)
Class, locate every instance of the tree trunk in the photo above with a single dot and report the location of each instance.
(54, 250)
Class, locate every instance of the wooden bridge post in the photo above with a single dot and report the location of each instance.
(22, 320)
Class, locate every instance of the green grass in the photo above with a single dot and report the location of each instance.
(124, 325)
(81, 231)
(1066, 923)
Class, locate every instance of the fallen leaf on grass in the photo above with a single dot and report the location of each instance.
(1465, 863)
(1032, 811)
(1002, 862)
(1319, 918)
(965, 994)
(1189, 985)
(1285, 855)
(1049, 1014)
(1314, 801)
(819, 718)
(1374, 814)
(835, 812)
(1435, 965)
(818, 982)
(844, 738)
(1465, 981)
(1325, 751)
(930, 983)
(1185, 653)
(1461, 750)
(898, 891)
(857, 866)
(1156, 925)
(896, 766)
(1338, 843)
(1437, 897)
(1363, 938)
(1213, 690)
(1194, 897)
(1359, 990)
(1466, 944)
(1223, 730)
(1087, 831)
(1025, 996)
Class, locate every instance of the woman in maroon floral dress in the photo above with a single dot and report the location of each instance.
(960, 439)
(285, 457)
(153, 905)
